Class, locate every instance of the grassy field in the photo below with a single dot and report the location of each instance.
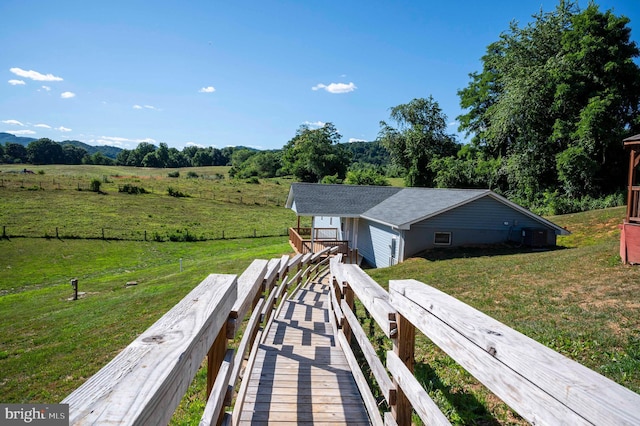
(56, 201)
(579, 299)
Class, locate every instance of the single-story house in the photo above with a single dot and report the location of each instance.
(389, 224)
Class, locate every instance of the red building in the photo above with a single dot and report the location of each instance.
(630, 229)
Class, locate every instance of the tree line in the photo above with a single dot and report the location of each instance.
(45, 151)
(545, 116)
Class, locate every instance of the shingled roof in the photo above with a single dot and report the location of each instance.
(312, 199)
(393, 206)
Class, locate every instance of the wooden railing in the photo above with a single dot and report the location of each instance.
(541, 385)
(314, 245)
(145, 382)
(633, 204)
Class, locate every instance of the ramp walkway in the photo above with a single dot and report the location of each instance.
(300, 374)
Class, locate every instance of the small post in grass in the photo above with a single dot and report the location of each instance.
(74, 284)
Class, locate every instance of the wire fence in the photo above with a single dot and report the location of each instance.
(118, 234)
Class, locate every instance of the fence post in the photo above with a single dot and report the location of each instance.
(404, 347)
(215, 357)
(349, 300)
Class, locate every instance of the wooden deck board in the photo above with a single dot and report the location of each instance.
(300, 374)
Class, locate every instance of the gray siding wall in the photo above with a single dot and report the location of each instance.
(484, 221)
(375, 243)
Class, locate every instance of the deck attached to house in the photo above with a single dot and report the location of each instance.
(313, 383)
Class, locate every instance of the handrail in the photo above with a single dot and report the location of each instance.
(541, 385)
(145, 382)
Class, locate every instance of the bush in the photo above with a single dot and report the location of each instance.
(95, 185)
(173, 174)
(192, 175)
(131, 189)
(253, 180)
(175, 193)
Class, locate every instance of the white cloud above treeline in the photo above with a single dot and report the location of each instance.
(16, 82)
(208, 89)
(314, 123)
(67, 95)
(336, 87)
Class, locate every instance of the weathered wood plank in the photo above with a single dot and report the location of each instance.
(423, 405)
(248, 339)
(295, 261)
(271, 275)
(370, 402)
(146, 381)
(215, 403)
(284, 261)
(249, 283)
(541, 385)
(374, 298)
(316, 256)
(377, 368)
(306, 259)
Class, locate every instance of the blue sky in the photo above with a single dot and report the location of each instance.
(221, 73)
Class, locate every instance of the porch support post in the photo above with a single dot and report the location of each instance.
(632, 154)
(312, 234)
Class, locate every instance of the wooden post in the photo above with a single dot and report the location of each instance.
(404, 347)
(349, 299)
(215, 357)
(630, 182)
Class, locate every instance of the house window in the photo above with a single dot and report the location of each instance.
(442, 239)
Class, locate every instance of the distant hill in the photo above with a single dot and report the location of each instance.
(6, 138)
(108, 151)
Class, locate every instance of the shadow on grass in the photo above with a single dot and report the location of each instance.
(481, 251)
(468, 409)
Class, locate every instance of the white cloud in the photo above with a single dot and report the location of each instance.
(336, 87)
(67, 95)
(47, 88)
(194, 144)
(119, 141)
(44, 126)
(136, 106)
(453, 123)
(34, 75)
(63, 129)
(315, 123)
(17, 82)
(13, 122)
(208, 89)
(22, 132)
(357, 140)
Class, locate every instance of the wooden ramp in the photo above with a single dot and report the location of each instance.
(300, 374)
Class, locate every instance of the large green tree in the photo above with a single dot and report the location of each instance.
(565, 81)
(315, 153)
(45, 151)
(419, 138)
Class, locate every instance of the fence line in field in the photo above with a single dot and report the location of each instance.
(118, 234)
